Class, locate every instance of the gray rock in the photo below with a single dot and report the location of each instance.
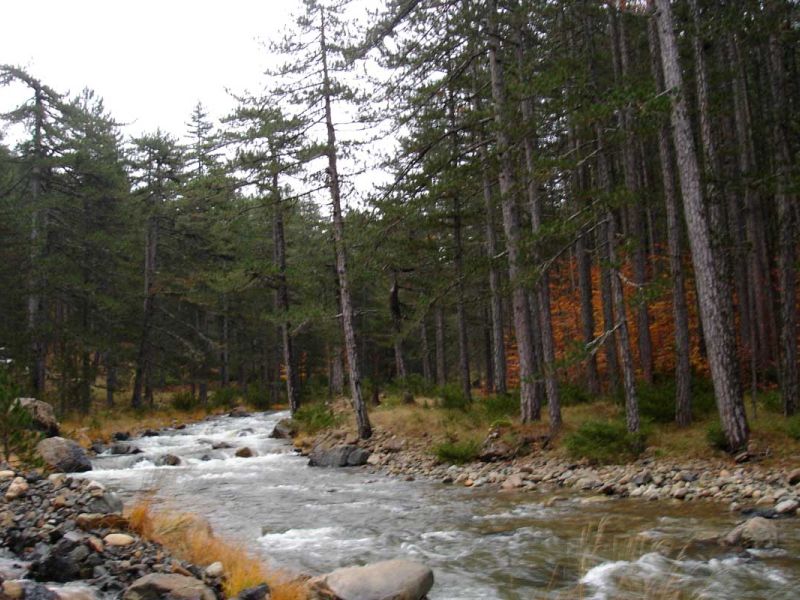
(63, 455)
(157, 586)
(753, 533)
(124, 448)
(44, 418)
(221, 445)
(346, 455)
(787, 506)
(29, 590)
(387, 580)
(168, 460)
(496, 450)
(284, 430)
(794, 477)
(259, 592)
(107, 504)
(239, 412)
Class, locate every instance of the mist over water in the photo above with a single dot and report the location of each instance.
(482, 544)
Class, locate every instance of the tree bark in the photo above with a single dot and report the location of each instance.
(362, 418)
(397, 323)
(142, 373)
(441, 364)
(720, 341)
(427, 371)
(522, 319)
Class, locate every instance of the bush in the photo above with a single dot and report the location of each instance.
(184, 401)
(572, 394)
(605, 442)
(257, 396)
(414, 383)
(312, 418)
(793, 427)
(225, 397)
(452, 397)
(458, 453)
(501, 407)
(772, 401)
(716, 436)
(17, 434)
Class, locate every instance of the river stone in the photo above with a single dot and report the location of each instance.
(19, 487)
(42, 414)
(259, 592)
(496, 450)
(63, 455)
(119, 539)
(6, 475)
(215, 569)
(168, 460)
(757, 532)
(794, 477)
(284, 430)
(387, 580)
(346, 455)
(106, 504)
(176, 587)
(239, 412)
(245, 453)
(787, 506)
(220, 446)
(27, 590)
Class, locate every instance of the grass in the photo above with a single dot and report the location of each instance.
(190, 538)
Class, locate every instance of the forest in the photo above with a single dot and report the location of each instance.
(539, 199)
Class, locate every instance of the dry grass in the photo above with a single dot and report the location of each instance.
(190, 538)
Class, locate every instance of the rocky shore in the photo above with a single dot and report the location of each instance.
(766, 492)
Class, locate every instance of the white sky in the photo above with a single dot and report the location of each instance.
(151, 61)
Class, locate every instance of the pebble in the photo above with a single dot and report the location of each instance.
(119, 539)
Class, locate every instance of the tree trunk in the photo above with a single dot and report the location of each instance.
(282, 298)
(36, 312)
(362, 418)
(522, 319)
(427, 371)
(683, 397)
(142, 373)
(397, 323)
(441, 364)
(720, 341)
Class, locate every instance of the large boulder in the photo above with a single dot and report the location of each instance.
(387, 580)
(63, 455)
(284, 430)
(42, 414)
(757, 532)
(347, 455)
(176, 587)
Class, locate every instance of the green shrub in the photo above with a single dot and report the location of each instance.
(793, 427)
(184, 401)
(501, 407)
(605, 442)
(772, 401)
(17, 434)
(716, 436)
(257, 396)
(315, 417)
(572, 394)
(414, 383)
(452, 398)
(225, 397)
(458, 453)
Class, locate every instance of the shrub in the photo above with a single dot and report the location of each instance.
(184, 401)
(716, 436)
(455, 452)
(772, 401)
(312, 418)
(793, 427)
(452, 397)
(257, 396)
(414, 383)
(572, 394)
(225, 397)
(605, 442)
(17, 434)
(501, 407)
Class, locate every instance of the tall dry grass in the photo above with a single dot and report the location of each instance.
(190, 538)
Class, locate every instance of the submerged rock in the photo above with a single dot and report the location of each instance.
(63, 455)
(176, 587)
(168, 460)
(245, 452)
(387, 580)
(346, 455)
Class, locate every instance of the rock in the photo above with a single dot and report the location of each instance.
(387, 580)
(221, 446)
(642, 478)
(123, 448)
(284, 430)
(394, 445)
(121, 436)
(27, 590)
(175, 587)
(245, 453)
(91, 521)
(119, 539)
(753, 533)
(168, 460)
(215, 569)
(512, 483)
(742, 457)
(496, 450)
(346, 455)
(787, 506)
(106, 503)
(18, 488)
(239, 412)
(259, 592)
(63, 455)
(794, 477)
(42, 414)
(150, 433)
(7, 475)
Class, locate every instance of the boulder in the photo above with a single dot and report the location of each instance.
(284, 430)
(239, 412)
(176, 587)
(788, 506)
(259, 592)
(245, 452)
(496, 450)
(44, 418)
(753, 533)
(346, 455)
(63, 455)
(124, 448)
(387, 580)
(107, 503)
(168, 460)
(220, 445)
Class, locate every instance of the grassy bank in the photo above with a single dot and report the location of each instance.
(190, 538)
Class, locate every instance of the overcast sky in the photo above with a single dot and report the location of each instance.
(150, 60)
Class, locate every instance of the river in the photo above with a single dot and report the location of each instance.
(481, 544)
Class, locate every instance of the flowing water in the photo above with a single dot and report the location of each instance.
(481, 544)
